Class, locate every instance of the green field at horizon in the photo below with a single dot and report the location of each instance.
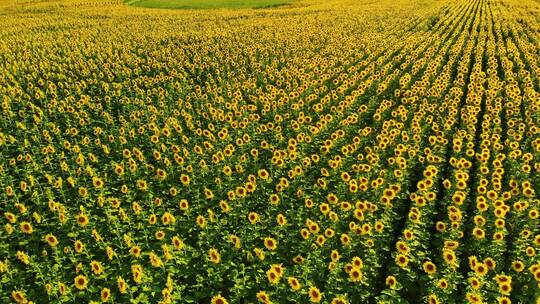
(208, 4)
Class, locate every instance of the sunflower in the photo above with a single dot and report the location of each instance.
(490, 263)
(218, 299)
(160, 234)
(478, 233)
(501, 279)
(23, 257)
(62, 288)
(298, 259)
(201, 221)
(345, 240)
(402, 260)
(155, 260)
(82, 219)
(357, 262)
(214, 256)
(270, 243)
(183, 204)
(442, 283)
(429, 268)
(334, 255)
(294, 283)
(281, 220)
(184, 179)
(391, 282)
(481, 269)
(135, 251)
(122, 285)
(263, 297)
(315, 296)
(51, 240)
(313, 227)
(474, 298)
(161, 174)
(537, 240)
(235, 240)
(97, 182)
(105, 294)
(408, 234)
(274, 199)
(12, 218)
(259, 253)
(272, 276)
(110, 252)
(402, 247)
(18, 296)
(518, 266)
(263, 174)
(81, 282)
(96, 267)
(137, 272)
(26, 227)
(504, 300)
(118, 169)
(433, 299)
(355, 275)
(253, 217)
(224, 206)
(339, 300)
(440, 226)
(505, 288)
(320, 240)
(474, 282)
(449, 257)
(142, 185)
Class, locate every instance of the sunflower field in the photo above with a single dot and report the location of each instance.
(320, 151)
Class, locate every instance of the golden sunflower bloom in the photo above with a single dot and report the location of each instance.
(80, 282)
(219, 300)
